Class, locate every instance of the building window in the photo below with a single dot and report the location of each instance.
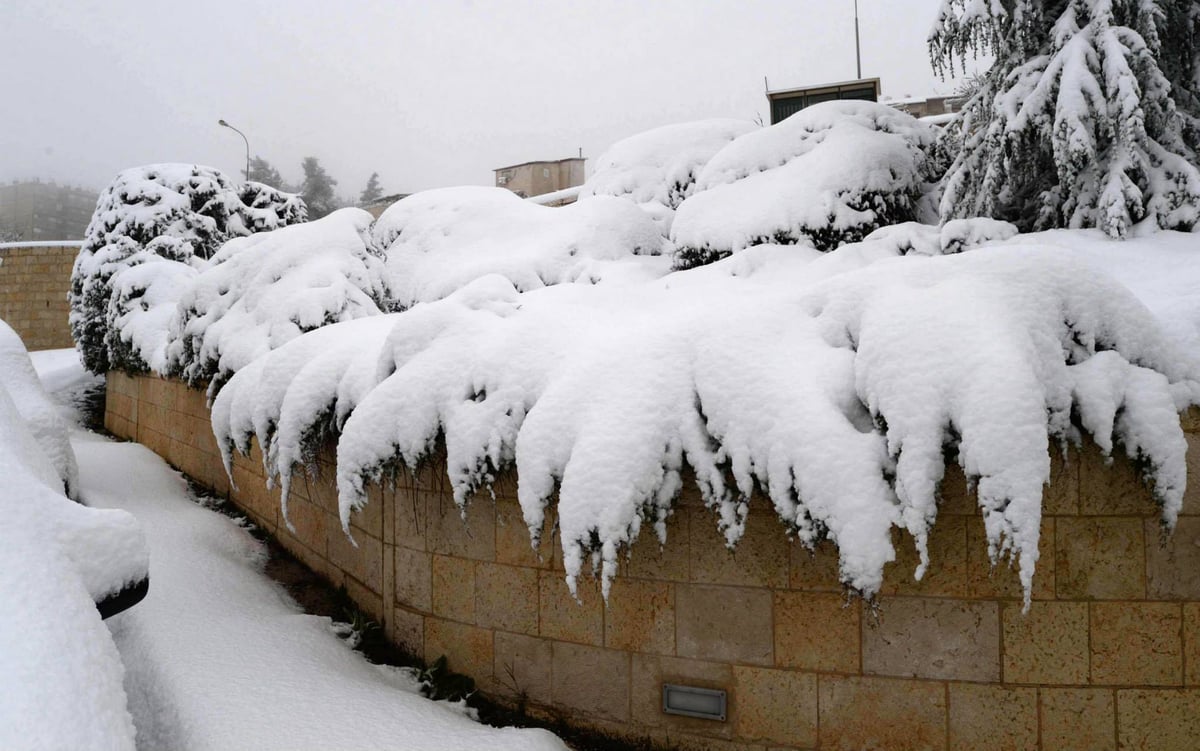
(545, 172)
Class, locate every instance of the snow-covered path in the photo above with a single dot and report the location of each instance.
(218, 657)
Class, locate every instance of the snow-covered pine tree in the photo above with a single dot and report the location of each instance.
(181, 212)
(1089, 117)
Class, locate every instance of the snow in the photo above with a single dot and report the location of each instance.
(832, 382)
(657, 169)
(216, 657)
(266, 289)
(827, 175)
(439, 240)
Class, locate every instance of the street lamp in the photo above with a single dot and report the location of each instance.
(243, 135)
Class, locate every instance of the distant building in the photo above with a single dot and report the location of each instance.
(380, 205)
(36, 211)
(787, 102)
(934, 105)
(537, 178)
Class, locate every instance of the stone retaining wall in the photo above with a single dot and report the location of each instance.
(1108, 657)
(34, 280)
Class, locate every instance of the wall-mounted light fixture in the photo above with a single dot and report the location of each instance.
(690, 701)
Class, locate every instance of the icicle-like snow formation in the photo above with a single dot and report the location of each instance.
(832, 383)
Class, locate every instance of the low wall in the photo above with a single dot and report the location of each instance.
(1108, 656)
(34, 280)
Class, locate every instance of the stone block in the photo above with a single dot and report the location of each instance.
(1099, 559)
(992, 718)
(369, 518)
(1137, 643)
(1047, 645)
(1191, 642)
(506, 597)
(759, 560)
(640, 616)
(947, 571)
(361, 559)
(650, 672)
(310, 524)
(513, 544)
(1158, 719)
(776, 706)
(414, 579)
(880, 713)
(369, 602)
(450, 534)
(953, 495)
(724, 623)
(817, 631)
(1173, 563)
(650, 559)
(522, 667)
(815, 570)
(565, 617)
(928, 638)
(1111, 486)
(1003, 581)
(411, 517)
(454, 588)
(1061, 497)
(1191, 496)
(591, 680)
(468, 649)
(1078, 719)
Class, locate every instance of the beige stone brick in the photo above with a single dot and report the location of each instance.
(1158, 719)
(368, 601)
(724, 623)
(759, 560)
(468, 649)
(1191, 642)
(310, 524)
(650, 672)
(369, 517)
(776, 706)
(522, 667)
(449, 534)
(412, 515)
(880, 713)
(1191, 496)
(817, 631)
(640, 616)
(592, 680)
(1173, 563)
(1061, 497)
(1049, 644)
(1004, 580)
(563, 617)
(1078, 719)
(1137, 643)
(1099, 558)
(364, 562)
(1111, 488)
(947, 571)
(513, 544)
(992, 718)
(933, 639)
(814, 570)
(506, 597)
(953, 495)
(650, 559)
(414, 579)
(454, 588)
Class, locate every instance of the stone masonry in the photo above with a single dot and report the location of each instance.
(1108, 656)
(34, 281)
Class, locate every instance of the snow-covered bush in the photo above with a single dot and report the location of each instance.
(145, 292)
(181, 212)
(826, 176)
(1087, 118)
(440, 240)
(263, 290)
(832, 383)
(657, 169)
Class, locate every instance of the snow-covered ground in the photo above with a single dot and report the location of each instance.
(218, 656)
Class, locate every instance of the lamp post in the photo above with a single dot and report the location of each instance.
(243, 135)
(857, 48)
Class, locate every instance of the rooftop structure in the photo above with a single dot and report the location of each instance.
(787, 102)
(536, 178)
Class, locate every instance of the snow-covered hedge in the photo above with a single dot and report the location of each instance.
(437, 241)
(266, 289)
(826, 176)
(835, 384)
(657, 169)
(180, 212)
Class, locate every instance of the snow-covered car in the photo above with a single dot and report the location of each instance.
(63, 566)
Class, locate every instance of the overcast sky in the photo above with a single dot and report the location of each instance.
(428, 94)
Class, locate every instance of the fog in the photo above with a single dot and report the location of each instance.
(426, 93)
